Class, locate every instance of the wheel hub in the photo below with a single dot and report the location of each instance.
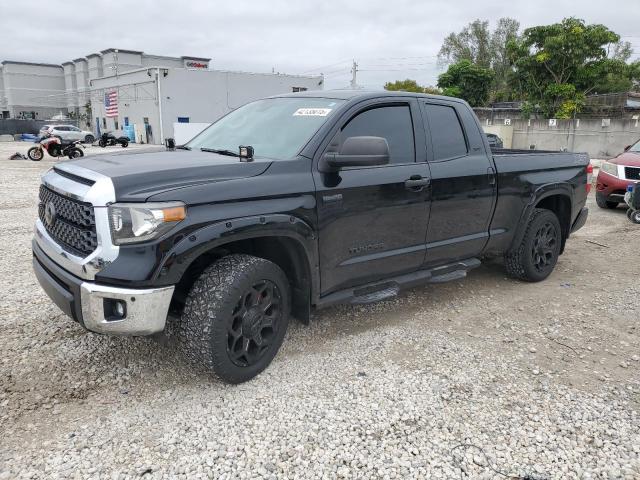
(251, 322)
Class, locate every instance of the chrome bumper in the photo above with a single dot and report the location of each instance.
(146, 309)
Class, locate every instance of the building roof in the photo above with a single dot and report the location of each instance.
(201, 59)
(81, 59)
(13, 62)
(121, 50)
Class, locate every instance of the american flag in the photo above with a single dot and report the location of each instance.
(111, 104)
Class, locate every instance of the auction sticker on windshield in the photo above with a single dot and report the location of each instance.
(312, 112)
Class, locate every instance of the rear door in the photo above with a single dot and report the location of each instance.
(463, 183)
(372, 223)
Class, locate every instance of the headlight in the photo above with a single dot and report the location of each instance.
(610, 168)
(138, 222)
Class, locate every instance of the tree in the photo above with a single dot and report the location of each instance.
(477, 44)
(404, 86)
(409, 85)
(468, 81)
(556, 66)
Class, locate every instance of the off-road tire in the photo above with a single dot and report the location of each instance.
(203, 330)
(602, 202)
(520, 262)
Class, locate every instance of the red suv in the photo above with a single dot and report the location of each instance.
(616, 174)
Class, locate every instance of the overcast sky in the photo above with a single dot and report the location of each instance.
(390, 39)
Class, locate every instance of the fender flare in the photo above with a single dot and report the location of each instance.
(537, 195)
(186, 251)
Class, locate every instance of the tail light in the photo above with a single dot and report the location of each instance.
(589, 177)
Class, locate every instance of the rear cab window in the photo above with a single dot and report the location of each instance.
(448, 138)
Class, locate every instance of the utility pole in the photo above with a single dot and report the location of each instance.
(354, 71)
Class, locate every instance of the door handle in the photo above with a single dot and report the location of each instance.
(491, 173)
(416, 183)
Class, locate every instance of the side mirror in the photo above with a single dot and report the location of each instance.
(626, 149)
(170, 144)
(358, 152)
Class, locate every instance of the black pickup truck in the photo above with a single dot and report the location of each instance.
(292, 203)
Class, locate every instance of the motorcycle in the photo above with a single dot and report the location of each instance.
(632, 199)
(54, 147)
(109, 139)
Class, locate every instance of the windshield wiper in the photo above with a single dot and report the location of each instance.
(221, 152)
(183, 147)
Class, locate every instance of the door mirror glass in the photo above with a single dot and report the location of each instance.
(358, 152)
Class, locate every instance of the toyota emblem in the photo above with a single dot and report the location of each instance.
(50, 213)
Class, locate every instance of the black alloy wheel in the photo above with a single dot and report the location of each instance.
(254, 323)
(544, 247)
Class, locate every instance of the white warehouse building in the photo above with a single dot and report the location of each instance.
(124, 88)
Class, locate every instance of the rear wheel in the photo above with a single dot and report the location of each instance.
(102, 143)
(236, 316)
(125, 144)
(634, 216)
(75, 153)
(536, 256)
(602, 202)
(89, 139)
(35, 154)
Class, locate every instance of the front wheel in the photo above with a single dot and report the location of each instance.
(536, 256)
(125, 144)
(102, 143)
(633, 215)
(236, 316)
(89, 139)
(35, 154)
(602, 202)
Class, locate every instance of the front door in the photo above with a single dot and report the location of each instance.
(372, 222)
(463, 184)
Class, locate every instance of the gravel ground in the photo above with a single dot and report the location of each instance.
(458, 380)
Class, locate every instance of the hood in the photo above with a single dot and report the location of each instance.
(630, 159)
(138, 176)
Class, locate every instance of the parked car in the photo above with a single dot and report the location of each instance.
(293, 203)
(616, 175)
(494, 140)
(67, 133)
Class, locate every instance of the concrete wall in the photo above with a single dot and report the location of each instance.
(600, 139)
(35, 88)
(82, 80)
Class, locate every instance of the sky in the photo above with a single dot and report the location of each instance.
(389, 39)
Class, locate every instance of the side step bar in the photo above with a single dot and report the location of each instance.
(376, 291)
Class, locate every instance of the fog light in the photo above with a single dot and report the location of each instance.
(114, 309)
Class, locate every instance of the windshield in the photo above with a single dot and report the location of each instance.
(276, 128)
(635, 147)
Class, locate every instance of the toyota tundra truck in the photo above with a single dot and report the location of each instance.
(294, 203)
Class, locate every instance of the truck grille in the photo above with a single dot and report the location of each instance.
(632, 173)
(70, 223)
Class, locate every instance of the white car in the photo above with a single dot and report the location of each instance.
(68, 133)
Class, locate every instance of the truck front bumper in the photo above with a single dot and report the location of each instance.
(103, 308)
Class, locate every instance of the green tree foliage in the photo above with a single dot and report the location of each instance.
(409, 85)
(468, 81)
(556, 66)
(479, 45)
